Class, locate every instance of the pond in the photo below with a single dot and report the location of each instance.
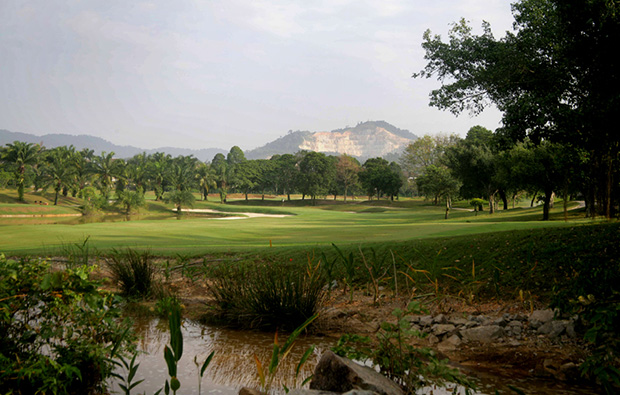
(233, 364)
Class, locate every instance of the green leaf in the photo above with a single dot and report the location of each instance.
(207, 362)
(170, 361)
(303, 359)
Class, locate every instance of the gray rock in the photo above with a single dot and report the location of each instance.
(337, 374)
(483, 334)
(442, 329)
(250, 391)
(426, 320)
(553, 329)
(449, 344)
(458, 321)
(542, 316)
(439, 319)
(432, 339)
(515, 327)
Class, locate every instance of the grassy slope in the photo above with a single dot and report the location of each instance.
(310, 226)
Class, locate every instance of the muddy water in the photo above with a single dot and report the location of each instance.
(233, 365)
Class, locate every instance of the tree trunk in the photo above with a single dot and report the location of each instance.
(533, 198)
(502, 195)
(546, 204)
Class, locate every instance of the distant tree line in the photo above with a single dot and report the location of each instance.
(67, 171)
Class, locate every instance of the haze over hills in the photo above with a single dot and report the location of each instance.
(366, 140)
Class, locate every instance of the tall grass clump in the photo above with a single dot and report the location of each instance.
(77, 254)
(133, 271)
(266, 295)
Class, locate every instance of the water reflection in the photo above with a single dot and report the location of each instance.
(233, 363)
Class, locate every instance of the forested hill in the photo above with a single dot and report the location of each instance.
(99, 145)
(366, 140)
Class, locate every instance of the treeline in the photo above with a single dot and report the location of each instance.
(495, 172)
(484, 167)
(83, 174)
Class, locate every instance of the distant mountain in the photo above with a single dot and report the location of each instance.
(366, 140)
(100, 145)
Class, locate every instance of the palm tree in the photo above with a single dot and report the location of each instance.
(22, 157)
(104, 168)
(82, 162)
(206, 178)
(183, 172)
(58, 172)
(158, 171)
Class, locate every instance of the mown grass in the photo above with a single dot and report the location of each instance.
(311, 226)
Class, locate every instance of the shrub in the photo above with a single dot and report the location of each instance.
(266, 295)
(133, 271)
(59, 332)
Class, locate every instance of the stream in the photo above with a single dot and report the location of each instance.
(233, 364)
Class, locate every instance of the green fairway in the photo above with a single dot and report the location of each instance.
(351, 223)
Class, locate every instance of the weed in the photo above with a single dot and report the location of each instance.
(266, 295)
(77, 254)
(134, 272)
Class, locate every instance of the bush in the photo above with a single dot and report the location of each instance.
(133, 271)
(266, 295)
(59, 332)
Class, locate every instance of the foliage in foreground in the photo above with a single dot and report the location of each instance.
(58, 331)
(409, 366)
(266, 295)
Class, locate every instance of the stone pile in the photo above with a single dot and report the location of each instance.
(448, 332)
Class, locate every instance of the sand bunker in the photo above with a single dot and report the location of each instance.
(245, 215)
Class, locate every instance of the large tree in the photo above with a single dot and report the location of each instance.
(379, 177)
(347, 169)
(473, 162)
(555, 78)
(315, 174)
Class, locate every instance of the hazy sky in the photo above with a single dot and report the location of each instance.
(206, 74)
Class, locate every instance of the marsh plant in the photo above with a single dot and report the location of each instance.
(266, 295)
(134, 271)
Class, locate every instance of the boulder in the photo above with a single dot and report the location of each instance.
(442, 329)
(540, 317)
(337, 374)
(482, 334)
